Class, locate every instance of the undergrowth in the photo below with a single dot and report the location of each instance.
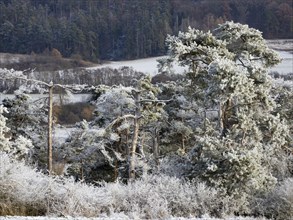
(25, 191)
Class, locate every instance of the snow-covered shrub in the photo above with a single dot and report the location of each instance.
(155, 197)
(226, 165)
(89, 154)
(21, 147)
(278, 203)
(18, 148)
(5, 144)
(28, 119)
(22, 190)
(27, 188)
(174, 165)
(151, 197)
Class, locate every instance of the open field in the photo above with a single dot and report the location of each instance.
(149, 65)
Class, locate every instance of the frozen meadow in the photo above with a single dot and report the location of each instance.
(286, 66)
(149, 65)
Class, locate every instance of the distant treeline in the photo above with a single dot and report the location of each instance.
(126, 29)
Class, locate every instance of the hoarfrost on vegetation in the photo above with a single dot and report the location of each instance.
(151, 197)
(18, 148)
(228, 71)
(235, 158)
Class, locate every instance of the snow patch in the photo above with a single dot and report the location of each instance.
(147, 65)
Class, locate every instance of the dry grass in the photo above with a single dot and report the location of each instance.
(73, 112)
(12, 208)
(40, 62)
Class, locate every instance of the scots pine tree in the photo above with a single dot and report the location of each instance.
(244, 150)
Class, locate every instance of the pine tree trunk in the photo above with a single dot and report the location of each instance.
(127, 147)
(225, 116)
(156, 147)
(135, 138)
(183, 143)
(220, 118)
(50, 123)
(133, 149)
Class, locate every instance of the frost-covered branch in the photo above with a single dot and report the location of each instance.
(119, 119)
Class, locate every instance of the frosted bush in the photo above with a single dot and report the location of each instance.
(5, 144)
(156, 197)
(22, 147)
(152, 197)
(277, 204)
(19, 148)
(55, 196)
(225, 163)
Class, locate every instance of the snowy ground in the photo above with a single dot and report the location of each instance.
(61, 134)
(149, 65)
(286, 66)
(74, 98)
(115, 218)
(281, 44)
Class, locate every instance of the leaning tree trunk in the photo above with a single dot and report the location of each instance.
(134, 139)
(50, 125)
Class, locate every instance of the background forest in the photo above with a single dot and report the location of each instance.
(126, 29)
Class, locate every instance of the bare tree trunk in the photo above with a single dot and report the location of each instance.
(133, 149)
(156, 147)
(183, 143)
(205, 121)
(134, 139)
(50, 124)
(81, 170)
(126, 141)
(182, 139)
(220, 118)
(225, 116)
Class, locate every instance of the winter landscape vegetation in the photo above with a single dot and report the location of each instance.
(136, 109)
